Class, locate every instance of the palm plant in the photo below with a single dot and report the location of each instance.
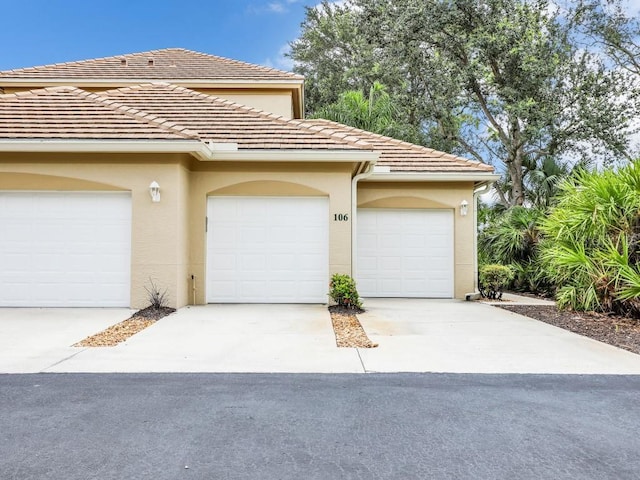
(375, 113)
(512, 238)
(593, 237)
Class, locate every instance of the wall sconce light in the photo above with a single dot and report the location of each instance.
(464, 206)
(154, 191)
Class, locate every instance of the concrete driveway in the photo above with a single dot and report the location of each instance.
(226, 338)
(418, 335)
(35, 339)
(414, 335)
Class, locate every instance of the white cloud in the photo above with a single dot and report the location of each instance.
(276, 7)
(281, 6)
(280, 60)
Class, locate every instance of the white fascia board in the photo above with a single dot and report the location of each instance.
(117, 82)
(432, 177)
(195, 147)
(295, 156)
(111, 146)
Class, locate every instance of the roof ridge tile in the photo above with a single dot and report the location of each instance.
(140, 115)
(24, 71)
(237, 106)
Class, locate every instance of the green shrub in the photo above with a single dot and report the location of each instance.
(592, 239)
(342, 290)
(513, 238)
(493, 279)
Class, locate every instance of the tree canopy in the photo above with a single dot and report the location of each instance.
(375, 113)
(507, 82)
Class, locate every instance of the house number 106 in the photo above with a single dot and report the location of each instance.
(340, 217)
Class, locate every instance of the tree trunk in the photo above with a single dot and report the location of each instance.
(515, 164)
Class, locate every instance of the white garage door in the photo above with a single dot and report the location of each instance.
(65, 249)
(405, 253)
(267, 249)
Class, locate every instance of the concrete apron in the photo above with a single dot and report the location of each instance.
(414, 336)
(471, 337)
(226, 338)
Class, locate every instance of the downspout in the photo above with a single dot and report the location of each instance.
(479, 190)
(354, 209)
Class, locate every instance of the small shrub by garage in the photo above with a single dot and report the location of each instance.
(343, 291)
(493, 279)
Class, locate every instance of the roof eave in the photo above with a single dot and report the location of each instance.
(194, 147)
(432, 177)
(296, 155)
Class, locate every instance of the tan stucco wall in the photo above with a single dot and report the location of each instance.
(168, 239)
(327, 180)
(157, 242)
(432, 195)
(277, 102)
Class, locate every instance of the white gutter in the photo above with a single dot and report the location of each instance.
(111, 146)
(203, 151)
(432, 177)
(479, 190)
(354, 214)
(295, 156)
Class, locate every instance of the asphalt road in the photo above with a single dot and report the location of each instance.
(249, 426)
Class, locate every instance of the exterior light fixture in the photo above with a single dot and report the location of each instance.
(464, 206)
(154, 191)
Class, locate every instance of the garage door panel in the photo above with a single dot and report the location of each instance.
(390, 264)
(281, 262)
(65, 249)
(405, 253)
(279, 247)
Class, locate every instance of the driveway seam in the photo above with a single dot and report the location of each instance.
(364, 369)
(63, 360)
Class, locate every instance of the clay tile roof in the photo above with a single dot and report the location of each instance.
(70, 113)
(401, 156)
(165, 64)
(222, 121)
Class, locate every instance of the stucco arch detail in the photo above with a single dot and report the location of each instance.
(267, 188)
(36, 181)
(403, 202)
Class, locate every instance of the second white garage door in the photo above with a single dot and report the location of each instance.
(267, 249)
(405, 253)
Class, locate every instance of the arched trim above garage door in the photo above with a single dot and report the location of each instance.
(267, 188)
(33, 182)
(403, 202)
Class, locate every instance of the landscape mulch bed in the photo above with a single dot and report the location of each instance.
(348, 330)
(120, 332)
(621, 332)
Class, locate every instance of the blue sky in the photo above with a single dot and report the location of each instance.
(38, 32)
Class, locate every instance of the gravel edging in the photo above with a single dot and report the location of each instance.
(124, 330)
(348, 329)
(621, 332)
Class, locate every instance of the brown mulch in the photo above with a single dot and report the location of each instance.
(120, 332)
(348, 330)
(621, 332)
